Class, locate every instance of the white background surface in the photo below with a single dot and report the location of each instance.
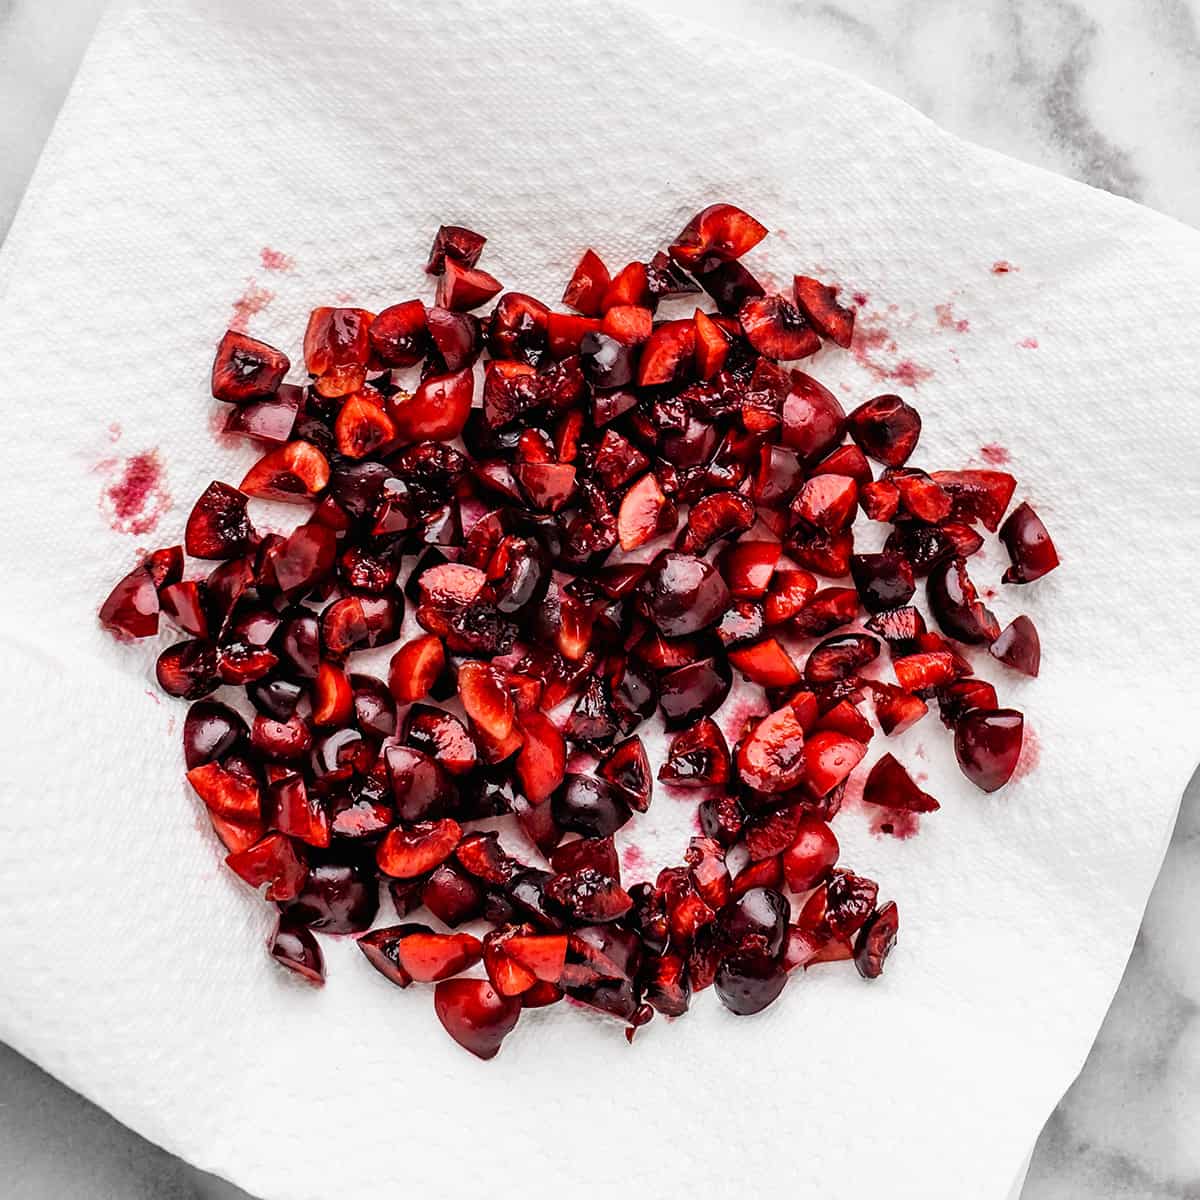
(1104, 92)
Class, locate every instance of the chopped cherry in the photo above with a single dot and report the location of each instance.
(766, 662)
(457, 243)
(684, 594)
(749, 981)
(295, 473)
(694, 691)
(698, 757)
(337, 897)
(337, 346)
(644, 514)
(407, 853)
(956, 604)
(437, 410)
(591, 807)
(462, 288)
(839, 657)
(718, 515)
(875, 941)
(987, 744)
(811, 856)
(929, 669)
(641, 502)
(895, 709)
(274, 861)
(818, 303)
(399, 334)
(629, 287)
(267, 419)
(475, 1015)
(891, 786)
(712, 345)
(415, 668)
(719, 233)
(828, 757)
(294, 947)
(542, 760)
(1029, 546)
(884, 581)
(667, 353)
(774, 327)
(977, 495)
(771, 758)
(586, 288)
(1019, 647)
(218, 526)
(813, 420)
(132, 606)
(627, 766)
(886, 428)
(419, 954)
(246, 369)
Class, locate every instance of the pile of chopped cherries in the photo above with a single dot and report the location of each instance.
(636, 509)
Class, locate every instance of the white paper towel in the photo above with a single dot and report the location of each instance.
(337, 136)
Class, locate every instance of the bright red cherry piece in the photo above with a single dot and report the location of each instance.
(475, 1015)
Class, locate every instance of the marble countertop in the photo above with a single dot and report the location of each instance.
(1101, 90)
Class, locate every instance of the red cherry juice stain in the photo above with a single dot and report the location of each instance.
(114, 432)
(895, 822)
(861, 299)
(153, 696)
(947, 320)
(633, 861)
(138, 498)
(276, 260)
(1031, 753)
(343, 297)
(995, 454)
(1028, 343)
(871, 334)
(251, 302)
(874, 343)
(1003, 267)
(909, 374)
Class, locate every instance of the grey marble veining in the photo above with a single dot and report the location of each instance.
(1129, 1128)
(1106, 91)
(40, 47)
(1101, 90)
